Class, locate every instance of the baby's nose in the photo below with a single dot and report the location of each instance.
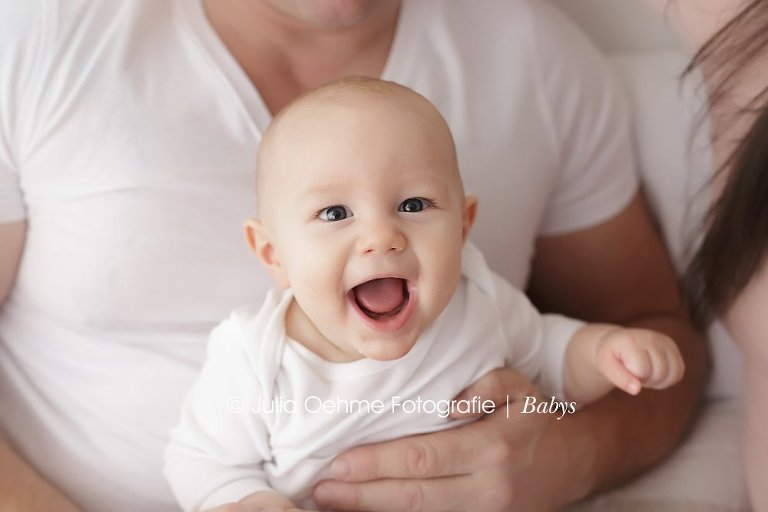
(381, 238)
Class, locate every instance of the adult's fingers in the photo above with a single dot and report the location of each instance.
(450, 452)
(445, 453)
(480, 466)
(443, 494)
(494, 459)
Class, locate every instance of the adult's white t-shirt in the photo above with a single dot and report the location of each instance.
(127, 142)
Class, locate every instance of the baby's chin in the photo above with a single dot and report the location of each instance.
(386, 349)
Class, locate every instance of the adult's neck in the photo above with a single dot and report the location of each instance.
(285, 56)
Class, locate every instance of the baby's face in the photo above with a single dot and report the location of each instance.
(366, 215)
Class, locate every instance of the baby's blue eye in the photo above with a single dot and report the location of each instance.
(334, 213)
(414, 204)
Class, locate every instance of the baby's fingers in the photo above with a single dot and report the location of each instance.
(613, 365)
(670, 371)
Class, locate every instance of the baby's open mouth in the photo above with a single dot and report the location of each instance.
(380, 299)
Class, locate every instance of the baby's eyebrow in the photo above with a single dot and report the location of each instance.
(319, 190)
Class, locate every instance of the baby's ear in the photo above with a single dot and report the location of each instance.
(470, 210)
(261, 245)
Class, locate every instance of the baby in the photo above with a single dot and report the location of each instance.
(384, 311)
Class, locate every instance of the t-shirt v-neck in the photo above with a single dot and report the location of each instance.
(395, 67)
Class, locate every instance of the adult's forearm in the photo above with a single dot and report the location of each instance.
(619, 436)
(23, 488)
(12, 238)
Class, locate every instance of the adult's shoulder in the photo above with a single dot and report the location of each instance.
(59, 25)
(23, 43)
(582, 105)
(506, 35)
(36, 35)
(521, 21)
(555, 38)
(38, 22)
(19, 19)
(22, 33)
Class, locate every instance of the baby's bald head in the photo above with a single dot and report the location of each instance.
(312, 127)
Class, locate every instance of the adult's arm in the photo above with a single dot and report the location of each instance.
(21, 487)
(619, 272)
(616, 272)
(12, 241)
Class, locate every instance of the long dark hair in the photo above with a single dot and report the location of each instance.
(735, 242)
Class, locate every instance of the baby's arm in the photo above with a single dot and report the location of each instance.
(578, 360)
(215, 455)
(600, 356)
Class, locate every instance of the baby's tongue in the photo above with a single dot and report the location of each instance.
(380, 295)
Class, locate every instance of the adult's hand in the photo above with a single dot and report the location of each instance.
(263, 501)
(246, 507)
(485, 465)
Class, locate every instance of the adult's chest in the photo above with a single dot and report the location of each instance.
(137, 173)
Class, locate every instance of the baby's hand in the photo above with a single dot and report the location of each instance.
(636, 358)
